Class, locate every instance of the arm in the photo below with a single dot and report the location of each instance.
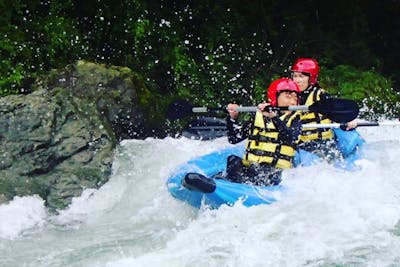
(289, 135)
(237, 132)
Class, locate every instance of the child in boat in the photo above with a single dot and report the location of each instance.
(272, 136)
(319, 141)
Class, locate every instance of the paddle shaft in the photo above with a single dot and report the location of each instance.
(245, 109)
(359, 124)
(338, 110)
(306, 126)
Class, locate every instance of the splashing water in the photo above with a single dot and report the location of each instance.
(327, 217)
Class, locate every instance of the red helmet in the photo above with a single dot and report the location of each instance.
(279, 85)
(307, 65)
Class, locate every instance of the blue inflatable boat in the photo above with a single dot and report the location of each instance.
(192, 181)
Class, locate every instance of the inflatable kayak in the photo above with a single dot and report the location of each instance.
(196, 181)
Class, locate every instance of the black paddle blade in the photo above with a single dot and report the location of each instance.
(179, 109)
(205, 128)
(338, 110)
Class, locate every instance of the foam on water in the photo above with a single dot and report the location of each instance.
(22, 213)
(326, 217)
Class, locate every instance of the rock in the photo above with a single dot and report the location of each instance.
(118, 93)
(52, 144)
(59, 139)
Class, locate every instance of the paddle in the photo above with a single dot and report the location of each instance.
(359, 124)
(339, 110)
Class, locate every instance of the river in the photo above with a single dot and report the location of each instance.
(328, 217)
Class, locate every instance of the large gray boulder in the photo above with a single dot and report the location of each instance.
(52, 144)
(59, 140)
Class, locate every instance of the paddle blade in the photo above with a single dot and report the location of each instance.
(338, 110)
(179, 109)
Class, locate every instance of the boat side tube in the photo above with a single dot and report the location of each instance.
(348, 141)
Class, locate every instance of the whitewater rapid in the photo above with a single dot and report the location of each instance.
(327, 217)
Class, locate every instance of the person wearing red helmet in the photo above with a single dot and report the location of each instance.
(303, 68)
(318, 140)
(271, 137)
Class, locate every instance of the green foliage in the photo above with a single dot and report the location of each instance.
(35, 38)
(9, 81)
(371, 90)
(207, 52)
(12, 71)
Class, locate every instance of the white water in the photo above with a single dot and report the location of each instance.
(328, 217)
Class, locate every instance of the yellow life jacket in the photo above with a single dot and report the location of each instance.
(309, 134)
(264, 145)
